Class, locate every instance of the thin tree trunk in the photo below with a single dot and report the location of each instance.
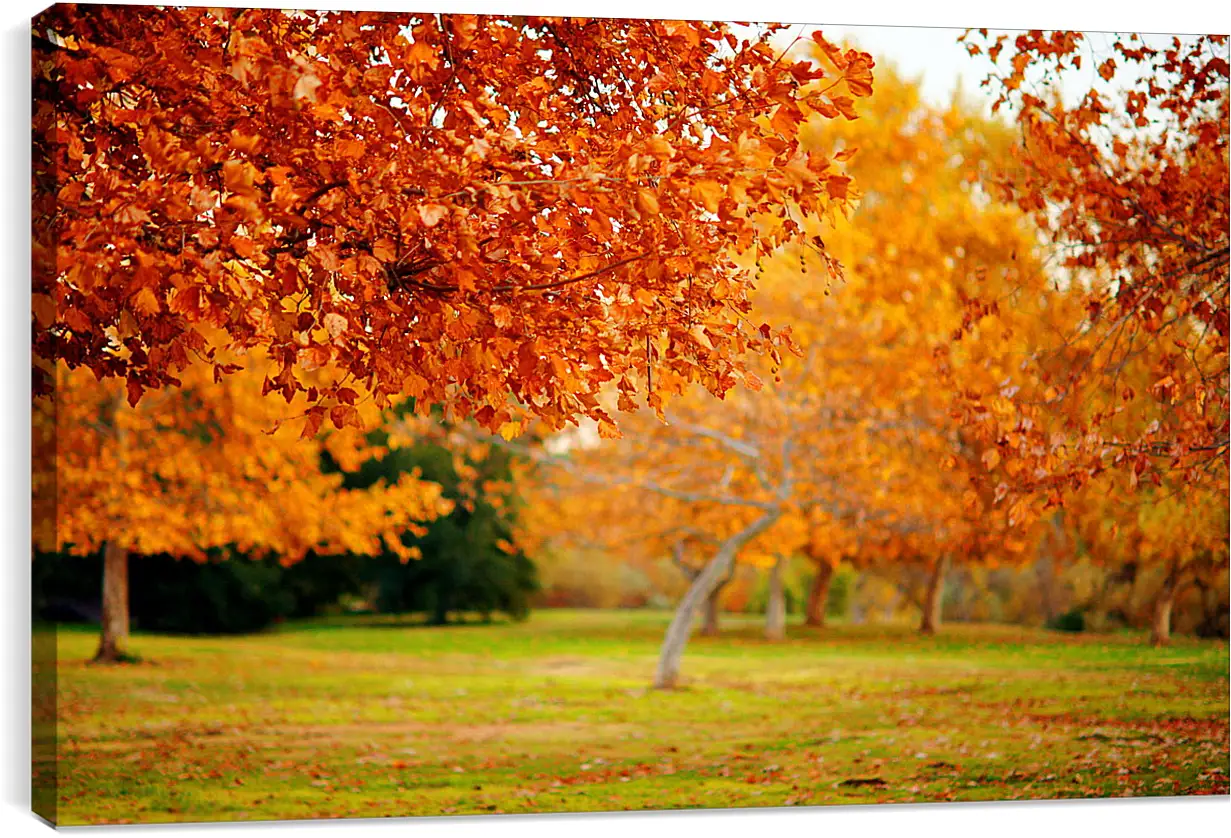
(1046, 566)
(113, 636)
(709, 626)
(1160, 624)
(775, 609)
(818, 595)
(1045, 573)
(667, 674)
(113, 642)
(932, 602)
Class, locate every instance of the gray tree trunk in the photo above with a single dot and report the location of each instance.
(932, 602)
(113, 641)
(1046, 566)
(709, 625)
(667, 675)
(818, 595)
(775, 609)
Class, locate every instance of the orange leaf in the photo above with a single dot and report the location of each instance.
(647, 201)
(431, 214)
(313, 424)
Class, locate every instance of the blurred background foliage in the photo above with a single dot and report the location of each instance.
(463, 574)
(477, 562)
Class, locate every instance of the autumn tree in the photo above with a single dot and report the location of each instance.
(749, 465)
(857, 433)
(1175, 535)
(653, 494)
(1129, 182)
(492, 214)
(854, 542)
(1186, 535)
(943, 295)
(201, 467)
(600, 501)
(825, 546)
(688, 554)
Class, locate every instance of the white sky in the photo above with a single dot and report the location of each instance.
(933, 56)
(930, 54)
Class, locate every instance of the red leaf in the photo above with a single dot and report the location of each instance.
(315, 416)
(135, 390)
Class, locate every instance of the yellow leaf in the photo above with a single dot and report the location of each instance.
(660, 148)
(144, 302)
(709, 193)
(647, 202)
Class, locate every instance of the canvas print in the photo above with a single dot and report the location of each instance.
(477, 414)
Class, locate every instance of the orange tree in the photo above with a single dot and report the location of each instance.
(827, 544)
(625, 522)
(736, 476)
(1175, 535)
(1185, 534)
(736, 484)
(859, 541)
(197, 468)
(1130, 184)
(856, 439)
(611, 500)
(492, 214)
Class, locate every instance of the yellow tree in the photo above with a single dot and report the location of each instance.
(1178, 532)
(602, 511)
(826, 545)
(906, 341)
(1186, 534)
(742, 474)
(201, 466)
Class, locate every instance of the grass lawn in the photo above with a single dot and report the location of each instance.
(335, 718)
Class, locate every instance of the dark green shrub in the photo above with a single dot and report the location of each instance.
(1071, 621)
(467, 564)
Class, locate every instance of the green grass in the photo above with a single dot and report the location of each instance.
(337, 718)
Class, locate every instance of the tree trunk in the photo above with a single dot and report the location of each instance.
(775, 609)
(1046, 566)
(667, 674)
(1160, 625)
(932, 602)
(709, 628)
(113, 642)
(818, 595)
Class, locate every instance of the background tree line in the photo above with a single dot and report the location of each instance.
(468, 562)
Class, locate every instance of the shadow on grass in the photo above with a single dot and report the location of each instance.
(382, 621)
